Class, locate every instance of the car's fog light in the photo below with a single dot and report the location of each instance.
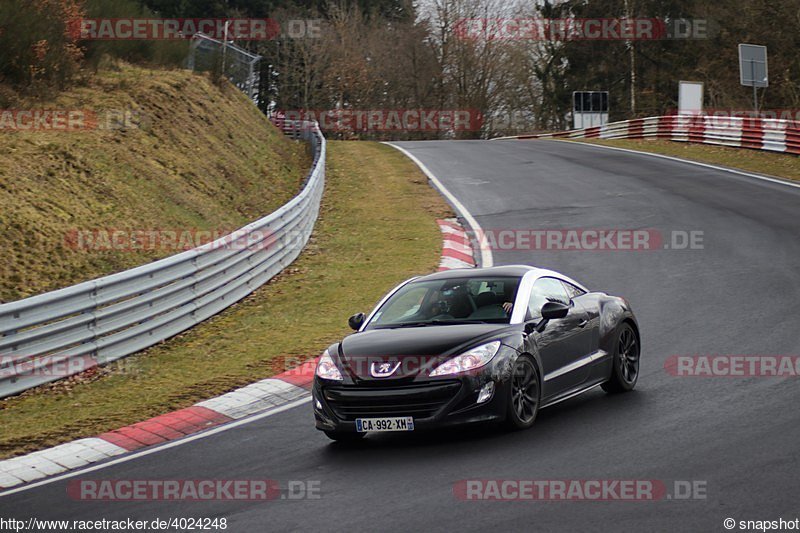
(316, 402)
(486, 392)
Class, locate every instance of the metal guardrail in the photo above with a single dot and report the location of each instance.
(772, 135)
(64, 332)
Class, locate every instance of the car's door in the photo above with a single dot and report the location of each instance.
(564, 343)
(589, 305)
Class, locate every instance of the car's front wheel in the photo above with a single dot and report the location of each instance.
(524, 394)
(341, 436)
(625, 369)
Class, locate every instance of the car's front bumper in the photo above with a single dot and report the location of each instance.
(433, 403)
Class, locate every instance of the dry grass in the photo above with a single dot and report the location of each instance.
(199, 157)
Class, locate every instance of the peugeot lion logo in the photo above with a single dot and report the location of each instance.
(383, 370)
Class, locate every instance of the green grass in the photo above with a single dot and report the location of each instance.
(199, 156)
(377, 227)
(770, 163)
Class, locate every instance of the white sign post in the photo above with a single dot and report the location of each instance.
(690, 98)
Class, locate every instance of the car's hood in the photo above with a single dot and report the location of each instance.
(412, 350)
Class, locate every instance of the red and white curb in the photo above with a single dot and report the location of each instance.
(456, 248)
(255, 398)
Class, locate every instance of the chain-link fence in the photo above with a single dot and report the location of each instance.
(236, 63)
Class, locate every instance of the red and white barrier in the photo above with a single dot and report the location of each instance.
(738, 132)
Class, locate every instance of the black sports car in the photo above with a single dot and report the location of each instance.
(474, 345)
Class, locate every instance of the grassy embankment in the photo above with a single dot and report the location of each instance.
(193, 156)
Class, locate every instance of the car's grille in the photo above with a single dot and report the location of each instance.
(419, 401)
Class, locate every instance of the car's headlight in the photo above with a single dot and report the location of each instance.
(469, 360)
(326, 368)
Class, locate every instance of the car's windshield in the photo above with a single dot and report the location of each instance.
(449, 301)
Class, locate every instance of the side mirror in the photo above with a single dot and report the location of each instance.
(554, 310)
(550, 311)
(356, 321)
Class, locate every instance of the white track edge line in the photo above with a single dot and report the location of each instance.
(779, 181)
(486, 252)
(158, 448)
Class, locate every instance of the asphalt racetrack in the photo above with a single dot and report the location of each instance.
(733, 440)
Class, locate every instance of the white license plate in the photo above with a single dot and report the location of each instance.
(394, 423)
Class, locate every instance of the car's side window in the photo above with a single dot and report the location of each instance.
(572, 290)
(543, 291)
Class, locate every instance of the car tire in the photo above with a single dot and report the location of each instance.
(343, 436)
(524, 394)
(625, 363)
